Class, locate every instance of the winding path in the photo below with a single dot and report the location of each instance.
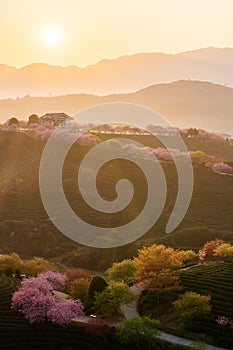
(130, 310)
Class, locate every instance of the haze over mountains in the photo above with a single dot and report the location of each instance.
(184, 103)
(121, 75)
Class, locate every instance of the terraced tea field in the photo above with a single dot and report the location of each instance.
(24, 219)
(217, 281)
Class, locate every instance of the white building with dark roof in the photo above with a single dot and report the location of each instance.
(56, 119)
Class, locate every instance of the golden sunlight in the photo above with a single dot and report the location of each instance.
(52, 36)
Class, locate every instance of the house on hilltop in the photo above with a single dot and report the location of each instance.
(56, 119)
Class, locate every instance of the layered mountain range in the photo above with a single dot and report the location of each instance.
(121, 75)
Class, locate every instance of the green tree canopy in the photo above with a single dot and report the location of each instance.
(110, 299)
(138, 331)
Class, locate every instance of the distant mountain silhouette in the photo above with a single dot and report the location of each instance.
(121, 75)
(184, 103)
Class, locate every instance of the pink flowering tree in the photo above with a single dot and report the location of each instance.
(62, 312)
(221, 167)
(222, 320)
(56, 279)
(208, 250)
(36, 301)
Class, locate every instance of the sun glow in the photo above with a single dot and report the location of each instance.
(52, 36)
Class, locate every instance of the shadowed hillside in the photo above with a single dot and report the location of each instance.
(24, 220)
(184, 103)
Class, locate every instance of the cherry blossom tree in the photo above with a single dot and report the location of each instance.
(57, 280)
(36, 301)
(222, 320)
(221, 167)
(62, 312)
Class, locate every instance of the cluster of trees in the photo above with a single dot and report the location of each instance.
(186, 132)
(155, 268)
(12, 264)
(157, 130)
(13, 122)
(216, 249)
(197, 157)
(43, 132)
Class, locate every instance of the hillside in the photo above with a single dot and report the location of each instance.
(121, 75)
(184, 103)
(24, 220)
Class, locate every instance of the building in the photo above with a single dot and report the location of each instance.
(56, 119)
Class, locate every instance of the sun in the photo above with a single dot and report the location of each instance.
(52, 36)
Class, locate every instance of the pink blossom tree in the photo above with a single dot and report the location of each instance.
(62, 312)
(56, 279)
(221, 167)
(35, 300)
(222, 320)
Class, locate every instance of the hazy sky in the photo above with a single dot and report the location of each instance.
(83, 32)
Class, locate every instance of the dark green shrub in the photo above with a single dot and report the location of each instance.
(97, 285)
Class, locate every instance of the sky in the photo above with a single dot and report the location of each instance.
(82, 32)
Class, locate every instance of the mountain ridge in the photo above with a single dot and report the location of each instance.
(124, 74)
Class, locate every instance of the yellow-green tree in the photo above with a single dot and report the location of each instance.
(37, 265)
(138, 331)
(124, 271)
(192, 304)
(11, 263)
(224, 250)
(108, 301)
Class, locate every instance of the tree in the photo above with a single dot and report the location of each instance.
(57, 280)
(73, 274)
(192, 132)
(37, 265)
(192, 304)
(36, 301)
(157, 268)
(224, 250)
(208, 249)
(109, 300)
(11, 262)
(137, 331)
(33, 119)
(221, 167)
(62, 312)
(189, 255)
(198, 157)
(96, 285)
(78, 288)
(124, 271)
(13, 121)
